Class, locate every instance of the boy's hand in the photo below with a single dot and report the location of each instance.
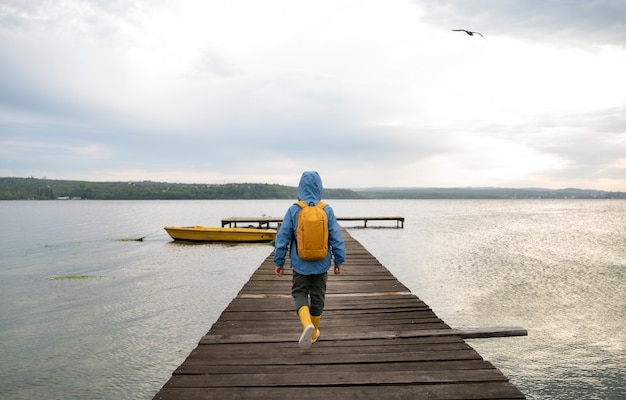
(280, 271)
(337, 269)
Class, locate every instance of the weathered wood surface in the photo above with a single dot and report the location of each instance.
(378, 341)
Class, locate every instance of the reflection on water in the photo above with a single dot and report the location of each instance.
(556, 268)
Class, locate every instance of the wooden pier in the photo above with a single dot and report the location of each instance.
(378, 341)
(266, 222)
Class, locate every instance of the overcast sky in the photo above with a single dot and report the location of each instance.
(368, 93)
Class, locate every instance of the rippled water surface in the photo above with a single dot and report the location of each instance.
(557, 268)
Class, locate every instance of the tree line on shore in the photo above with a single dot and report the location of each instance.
(50, 189)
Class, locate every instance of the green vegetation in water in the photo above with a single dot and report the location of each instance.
(58, 278)
(49, 246)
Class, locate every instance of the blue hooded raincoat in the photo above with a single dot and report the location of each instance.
(309, 190)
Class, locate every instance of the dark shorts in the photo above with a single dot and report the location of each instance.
(309, 290)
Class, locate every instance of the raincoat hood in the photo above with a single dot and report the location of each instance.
(310, 187)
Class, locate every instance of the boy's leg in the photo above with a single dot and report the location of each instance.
(318, 295)
(307, 328)
(300, 288)
(316, 331)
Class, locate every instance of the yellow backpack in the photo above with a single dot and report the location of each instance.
(312, 232)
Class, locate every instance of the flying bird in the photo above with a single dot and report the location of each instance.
(468, 32)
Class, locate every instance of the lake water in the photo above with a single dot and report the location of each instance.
(555, 267)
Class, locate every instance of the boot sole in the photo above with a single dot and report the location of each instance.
(305, 338)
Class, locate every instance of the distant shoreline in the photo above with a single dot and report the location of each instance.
(50, 189)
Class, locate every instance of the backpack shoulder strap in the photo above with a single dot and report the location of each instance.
(303, 204)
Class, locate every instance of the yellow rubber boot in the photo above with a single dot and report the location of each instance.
(307, 327)
(316, 324)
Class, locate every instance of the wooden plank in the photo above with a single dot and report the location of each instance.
(328, 359)
(345, 377)
(193, 368)
(454, 391)
(378, 341)
(493, 331)
(265, 222)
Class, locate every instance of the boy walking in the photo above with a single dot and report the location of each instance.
(309, 272)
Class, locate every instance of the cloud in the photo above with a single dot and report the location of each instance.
(578, 21)
(369, 93)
